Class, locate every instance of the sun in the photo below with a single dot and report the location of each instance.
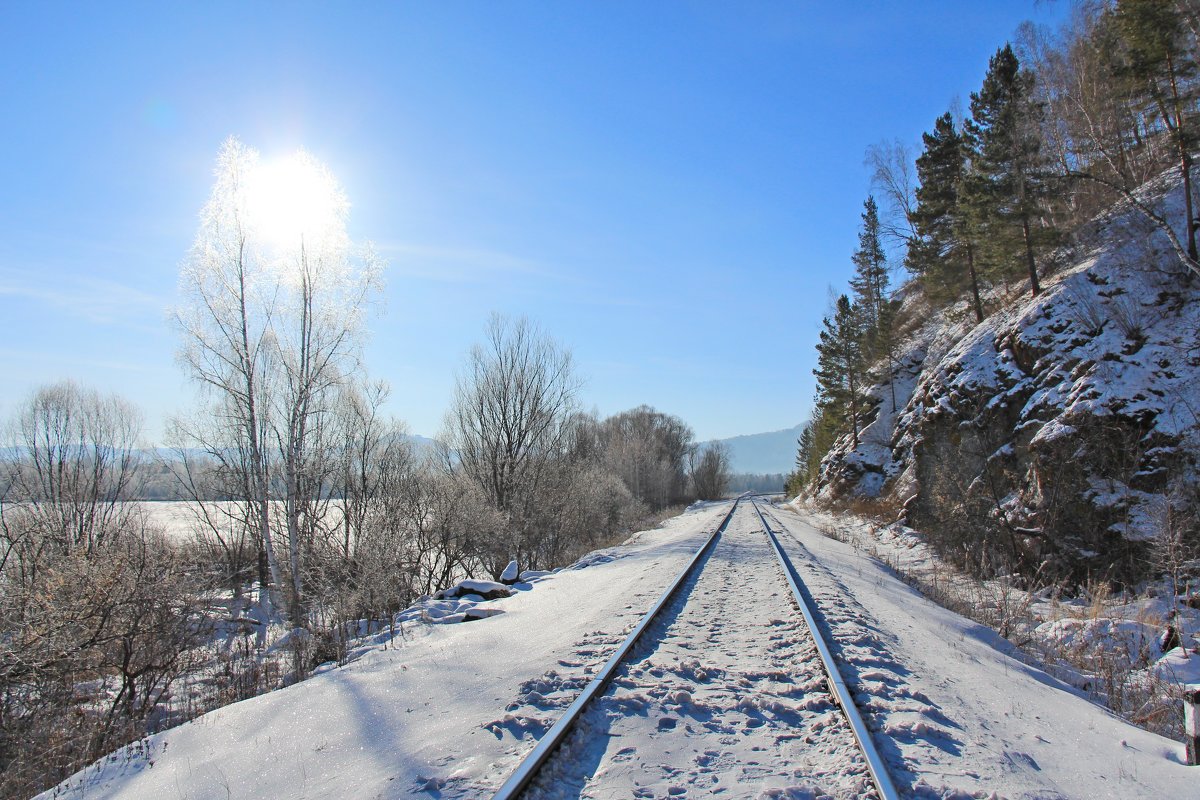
(292, 202)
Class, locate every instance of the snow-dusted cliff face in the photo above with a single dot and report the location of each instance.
(1062, 433)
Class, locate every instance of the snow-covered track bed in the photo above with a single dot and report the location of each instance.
(920, 741)
(837, 684)
(720, 691)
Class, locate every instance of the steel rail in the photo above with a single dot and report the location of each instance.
(528, 768)
(841, 692)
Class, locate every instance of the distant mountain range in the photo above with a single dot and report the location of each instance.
(771, 452)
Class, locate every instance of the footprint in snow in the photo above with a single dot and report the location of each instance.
(625, 754)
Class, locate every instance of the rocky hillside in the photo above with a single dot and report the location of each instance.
(1061, 434)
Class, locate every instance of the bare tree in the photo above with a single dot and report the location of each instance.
(374, 458)
(96, 614)
(225, 325)
(648, 450)
(893, 177)
(510, 408)
(271, 327)
(455, 530)
(75, 463)
(1175, 548)
(583, 506)
(1120, 84)
(509, 417)
(710, 471)
(216, 481)
(324, 290)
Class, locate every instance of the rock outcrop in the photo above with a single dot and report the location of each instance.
(1059, 435)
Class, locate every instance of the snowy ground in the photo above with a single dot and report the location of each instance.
(1109, 645)
(726, 696)
(448, 711)
(426, 716)
(957, 709)
(181, 519)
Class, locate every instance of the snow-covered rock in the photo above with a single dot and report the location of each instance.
(485, 590)
(1057, 430)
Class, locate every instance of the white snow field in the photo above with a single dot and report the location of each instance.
(448, 710)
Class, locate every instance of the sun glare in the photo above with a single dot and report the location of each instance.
(293, 200)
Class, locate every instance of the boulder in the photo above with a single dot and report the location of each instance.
(487, 590)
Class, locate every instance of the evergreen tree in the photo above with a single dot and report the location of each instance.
(942, 253)
(804, 447)
(870, 281)
(885, 342)
(840, 367)
(1007, 181)
(1159, 70)
(816, 437)
(871, 295)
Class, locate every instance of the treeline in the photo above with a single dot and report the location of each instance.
(328, 521)
(772, 482)
(1066, 124)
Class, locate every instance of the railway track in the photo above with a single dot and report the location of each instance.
(725, 686)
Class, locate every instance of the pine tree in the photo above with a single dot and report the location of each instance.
(870, 281)
(871, 295)
(840, 367)
(804, 448)
(942, 253)
(816, 437)
(885, 342)
(1007, 181)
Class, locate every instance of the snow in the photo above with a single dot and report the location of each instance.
(727, 697)
(485, 590)
(419, 710)
(1096, 642)
(1136, 639)
(964, 712)
(1178, 666)
(447, 711)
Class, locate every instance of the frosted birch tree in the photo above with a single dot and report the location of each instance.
(270, 326)
(225, 319)
(324, 288)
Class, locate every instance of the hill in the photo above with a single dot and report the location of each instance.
(1059, 436)
(772, 452)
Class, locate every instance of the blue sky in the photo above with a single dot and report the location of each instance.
(670, 189)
